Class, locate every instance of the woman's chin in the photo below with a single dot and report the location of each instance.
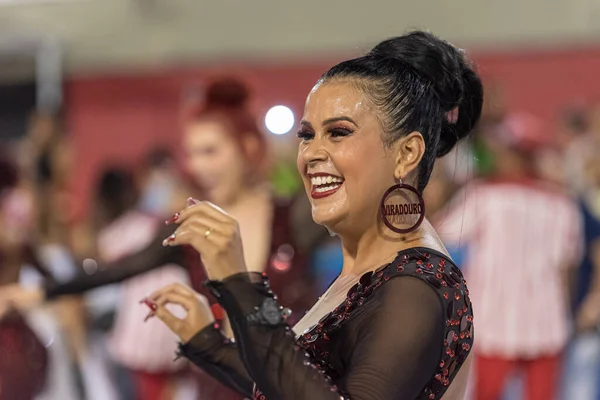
(331, 222)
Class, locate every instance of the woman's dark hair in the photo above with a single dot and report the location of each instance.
(421, 83)
(115, 193)
(9, 174)
(577, 119)
(158, 157)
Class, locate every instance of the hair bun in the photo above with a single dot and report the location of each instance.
(450, 75)
(227, 92)
(469, 111)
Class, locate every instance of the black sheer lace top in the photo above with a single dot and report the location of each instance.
(403, 332)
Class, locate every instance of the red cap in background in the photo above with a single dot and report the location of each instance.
(524, 132)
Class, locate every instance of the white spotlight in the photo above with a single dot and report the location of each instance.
(279, 120)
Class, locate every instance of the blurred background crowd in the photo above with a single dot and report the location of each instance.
(113, 113)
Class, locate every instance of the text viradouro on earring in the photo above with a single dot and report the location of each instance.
(402, 208)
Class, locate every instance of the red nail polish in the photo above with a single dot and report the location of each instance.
(150, 315)
(173, 219)
(168, 240)
(151, 305)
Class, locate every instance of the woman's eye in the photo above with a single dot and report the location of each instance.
(340, 132)
(305, 134)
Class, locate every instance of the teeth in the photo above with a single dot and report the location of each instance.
(323, 189)
(325, 180)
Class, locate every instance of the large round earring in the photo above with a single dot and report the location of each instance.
(402, 215)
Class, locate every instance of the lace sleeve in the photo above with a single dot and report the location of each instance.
(210, 350)
(152, 256)
(397, 349)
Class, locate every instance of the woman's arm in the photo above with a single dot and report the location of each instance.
(152, 256)
(395, 356)
(210, 350)
(203, 342)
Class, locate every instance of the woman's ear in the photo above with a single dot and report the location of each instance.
(409, 152)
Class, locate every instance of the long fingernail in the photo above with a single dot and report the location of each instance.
(173, 219)
(151, 305)
(150, 315)
(191, 201)
(168, 240)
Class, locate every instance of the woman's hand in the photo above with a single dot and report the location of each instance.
(214, 234)
(198, 312)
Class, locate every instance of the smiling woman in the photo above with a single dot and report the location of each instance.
(397, 323)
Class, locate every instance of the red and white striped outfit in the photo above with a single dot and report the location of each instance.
(519, 238)
(149, 346)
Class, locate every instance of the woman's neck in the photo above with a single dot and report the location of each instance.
(375, 248)
(247, 197)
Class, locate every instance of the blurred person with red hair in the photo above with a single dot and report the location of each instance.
(522, 237)
(226, 158)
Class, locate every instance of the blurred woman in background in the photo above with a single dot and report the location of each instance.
(44, 164)
(160, 180)
(226, 155)
(24, 359)
(123, 230)
(226, 159)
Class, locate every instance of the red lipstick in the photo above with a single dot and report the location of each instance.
(317, 191)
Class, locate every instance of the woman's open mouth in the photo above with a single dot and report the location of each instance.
(323, 185)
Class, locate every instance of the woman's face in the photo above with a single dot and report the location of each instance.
(343, 162)
(215, 160)
(17, 217)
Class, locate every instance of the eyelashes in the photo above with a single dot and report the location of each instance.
(340, 132)
(307, 134)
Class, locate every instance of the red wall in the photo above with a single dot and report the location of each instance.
(121, 117)
(543, 82)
